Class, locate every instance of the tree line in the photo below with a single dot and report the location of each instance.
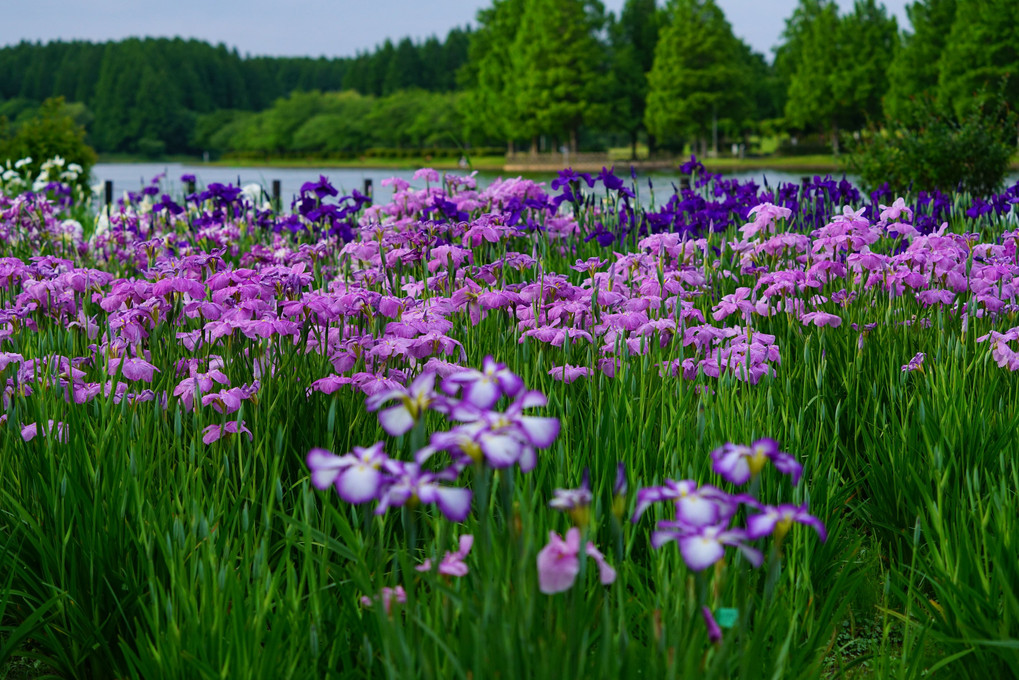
(537, 75)
(150, 95)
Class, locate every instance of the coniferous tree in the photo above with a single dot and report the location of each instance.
(697, 74)
(454, 57)
(490, 102)
(811, 31)
(633, 39)
(555, 64)
(914, 70)
(404, 69)
(864, 45)
(981, 56)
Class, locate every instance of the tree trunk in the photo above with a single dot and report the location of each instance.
(534, 147)
(633, 145)
(835, 137)
(573, 141)
(652, 145)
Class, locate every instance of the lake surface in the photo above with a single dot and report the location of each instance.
(133, 176)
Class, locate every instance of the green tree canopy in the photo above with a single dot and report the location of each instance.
(914, 71)
(633, 39)
(697, 74)
(807, 60)
(50, 132)
(865, 43)
(557, 67)
(487, 76)
(838, 65)
(981, 55)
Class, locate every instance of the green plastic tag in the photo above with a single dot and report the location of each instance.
(726, 617)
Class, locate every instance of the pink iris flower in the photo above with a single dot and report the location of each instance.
(452, 563)
(559, 563)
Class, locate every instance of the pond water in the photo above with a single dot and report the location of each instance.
(133, 176)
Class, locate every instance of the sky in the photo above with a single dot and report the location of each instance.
(332, 28)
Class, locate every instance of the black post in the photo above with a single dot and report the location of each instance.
(368, 190)
(804, 180)
(684, 182)
(108, 187)
(276, 195)
(191, 188)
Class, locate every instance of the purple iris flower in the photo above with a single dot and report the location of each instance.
(619, 492)
(777, 520)
(696, 505)
(408, 484)
(167, 204)
(568, 176)
(915, 364)
(608, 178)
(737, 463)
(573, 499)
(559, 563)
(702, 546)
(452, 563)
(483, 388)
(714, 632)
(414, 401)
(691, 166)
(357, 476)
(321, 188)
(500, 439)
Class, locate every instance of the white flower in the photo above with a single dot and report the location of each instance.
(255, 196)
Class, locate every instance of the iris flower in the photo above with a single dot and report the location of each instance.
(453, 562)
(408, 484)
(737, 463)
(702, 546)
(482, 388)
(777, 520)
(357, 476)
(696, 505)
(558, 562)
(576, 502)
(414, 400)
(388, 596)
(915, 364)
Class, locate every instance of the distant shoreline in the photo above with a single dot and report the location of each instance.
(499, 164)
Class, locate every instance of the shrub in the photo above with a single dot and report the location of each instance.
(52, 132)
(938, 151)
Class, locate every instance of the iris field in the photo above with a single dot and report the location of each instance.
(596, 428)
